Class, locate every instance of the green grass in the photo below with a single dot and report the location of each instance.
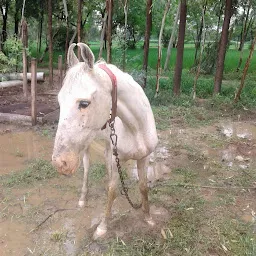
(38, 170)
(135, 57)
(97, 172)
(195, 228)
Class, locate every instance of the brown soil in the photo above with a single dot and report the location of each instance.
(12, 99)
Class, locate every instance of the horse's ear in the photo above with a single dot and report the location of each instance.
(87, 54)
(72, 59)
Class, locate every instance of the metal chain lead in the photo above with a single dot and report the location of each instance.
(124, 191)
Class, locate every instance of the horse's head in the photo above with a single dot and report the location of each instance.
(85, 103)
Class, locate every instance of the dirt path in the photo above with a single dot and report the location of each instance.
(186, 174)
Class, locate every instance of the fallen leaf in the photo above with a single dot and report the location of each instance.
(163, 233)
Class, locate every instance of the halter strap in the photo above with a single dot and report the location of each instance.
(113, 93)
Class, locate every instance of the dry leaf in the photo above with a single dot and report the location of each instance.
(163, 233)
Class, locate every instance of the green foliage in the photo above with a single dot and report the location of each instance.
(10, 58)
(60, 38)
(6, 64)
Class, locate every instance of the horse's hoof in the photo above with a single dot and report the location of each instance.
(81, 203)
(150, 222)
(99, 233)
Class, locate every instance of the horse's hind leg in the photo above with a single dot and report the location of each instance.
(142, 166)
(84, 191)
(112, 187)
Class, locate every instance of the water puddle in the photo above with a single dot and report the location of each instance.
(241, 130)
(16, 149)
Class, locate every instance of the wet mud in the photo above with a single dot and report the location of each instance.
(22, 209)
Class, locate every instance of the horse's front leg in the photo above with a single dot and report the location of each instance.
(84, 191)
(142, 166)
(112, 193)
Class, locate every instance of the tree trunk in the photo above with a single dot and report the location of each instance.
(79, 26)
(158, 66)
(125, 32)
(247, 64)
(103, 32)
(244, 27)
(24, 36)
(4, 26)
(214, 63)
(109, 30)
(66, 43)
(146, 40)
(19, 76)
(199, 35)
(50, 43)
(222, 47)
(40, 32)
(180, 48)
(242, 38)
(16, 20)
(201, 54)
(170, 45)
(67, 33)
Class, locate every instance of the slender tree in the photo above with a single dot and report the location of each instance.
(103, 33)
(201, 54)
(109, 30)
(24, 38)
(79, 26)
(180, 48)
(199, 34)
(50, 43)
(169, 49)
(222, 47)
(146, 39)
(125, 32)
(158, 66)
(246, 67)
(4, 10)
(245, 29)
(67, 32)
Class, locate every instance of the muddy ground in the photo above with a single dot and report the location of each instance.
(203, 188)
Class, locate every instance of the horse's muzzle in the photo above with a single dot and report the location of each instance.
(66, 163)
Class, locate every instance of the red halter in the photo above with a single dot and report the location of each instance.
(113, 93)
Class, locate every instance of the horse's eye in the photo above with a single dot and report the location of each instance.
(83, 104)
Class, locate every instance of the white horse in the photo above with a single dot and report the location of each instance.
(86, 99)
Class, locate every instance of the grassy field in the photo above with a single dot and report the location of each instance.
(135, 57)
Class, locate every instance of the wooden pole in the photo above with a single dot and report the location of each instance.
(33, 91)
(60, 71)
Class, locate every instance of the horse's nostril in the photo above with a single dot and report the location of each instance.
(64, 163)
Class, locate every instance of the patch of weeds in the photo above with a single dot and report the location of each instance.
(97, 172)
(225, 199)
(238, 237)
(188, 175)
(38, 170)
(59, 236)
(143, 246)
(162, 116)
(45, 132)
(244, 178)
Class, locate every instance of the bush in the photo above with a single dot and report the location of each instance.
(11, 57)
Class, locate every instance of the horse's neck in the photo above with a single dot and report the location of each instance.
(132, 104)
